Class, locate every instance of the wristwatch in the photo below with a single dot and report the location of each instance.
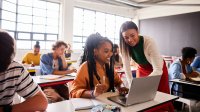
(7, 108)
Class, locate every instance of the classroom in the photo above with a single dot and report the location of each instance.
(99, 55)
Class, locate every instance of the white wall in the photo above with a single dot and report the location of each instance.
(160, 11)
(122, 11)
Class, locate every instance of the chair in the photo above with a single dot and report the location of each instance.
(189, 102)
(168, 60)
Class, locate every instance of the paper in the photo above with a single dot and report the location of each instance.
(84, 103)
(71, 74)
(51, 77)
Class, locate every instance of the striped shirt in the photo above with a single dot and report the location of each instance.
(16, 79)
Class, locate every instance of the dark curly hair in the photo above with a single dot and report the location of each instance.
(7, 50)
(37, 45)
(188, 52)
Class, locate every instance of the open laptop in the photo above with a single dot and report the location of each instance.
(75, 56)
(141, 90)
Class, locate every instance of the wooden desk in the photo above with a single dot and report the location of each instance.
(44, 81)
(161, 98)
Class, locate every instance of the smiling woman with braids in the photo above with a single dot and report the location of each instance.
(96, 74)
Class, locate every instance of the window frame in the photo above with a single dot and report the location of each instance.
(95, 11)
(45, 25)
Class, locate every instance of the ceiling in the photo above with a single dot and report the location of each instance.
(138, 4)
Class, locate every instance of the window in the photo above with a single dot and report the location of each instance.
(87, 22)
(29, 21)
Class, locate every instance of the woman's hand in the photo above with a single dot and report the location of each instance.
(123, 91)
(99, 89)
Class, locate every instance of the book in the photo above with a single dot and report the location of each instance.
(84, 103)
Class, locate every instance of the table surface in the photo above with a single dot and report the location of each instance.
(50, 80)
(182, 81)
(160, 98)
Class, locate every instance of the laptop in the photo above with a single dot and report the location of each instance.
(141, 90)
(75, 56)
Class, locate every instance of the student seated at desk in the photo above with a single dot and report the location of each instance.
(117, 57)
(55, 63)
(33, 58)
(14, 79)
(96, 73)
(181, 69)
(68, 51)
(196, 64)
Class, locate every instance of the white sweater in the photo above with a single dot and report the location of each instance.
(152, 55)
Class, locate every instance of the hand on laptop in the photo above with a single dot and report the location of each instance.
(123, 91)
(99, 89)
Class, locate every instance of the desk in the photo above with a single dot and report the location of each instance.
(194, 87)
(40, 80)
(71, 61)
(161, 98)
(181, 81)
(64, 106)
(33, 70)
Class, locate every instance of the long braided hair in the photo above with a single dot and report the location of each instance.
(94, 41)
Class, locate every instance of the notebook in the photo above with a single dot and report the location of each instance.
(141, 90)
(84, 103)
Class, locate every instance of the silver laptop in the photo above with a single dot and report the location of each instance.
(141, 90)
(75, 56)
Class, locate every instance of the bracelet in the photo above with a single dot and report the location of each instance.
(92, 93)
(7, 108)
